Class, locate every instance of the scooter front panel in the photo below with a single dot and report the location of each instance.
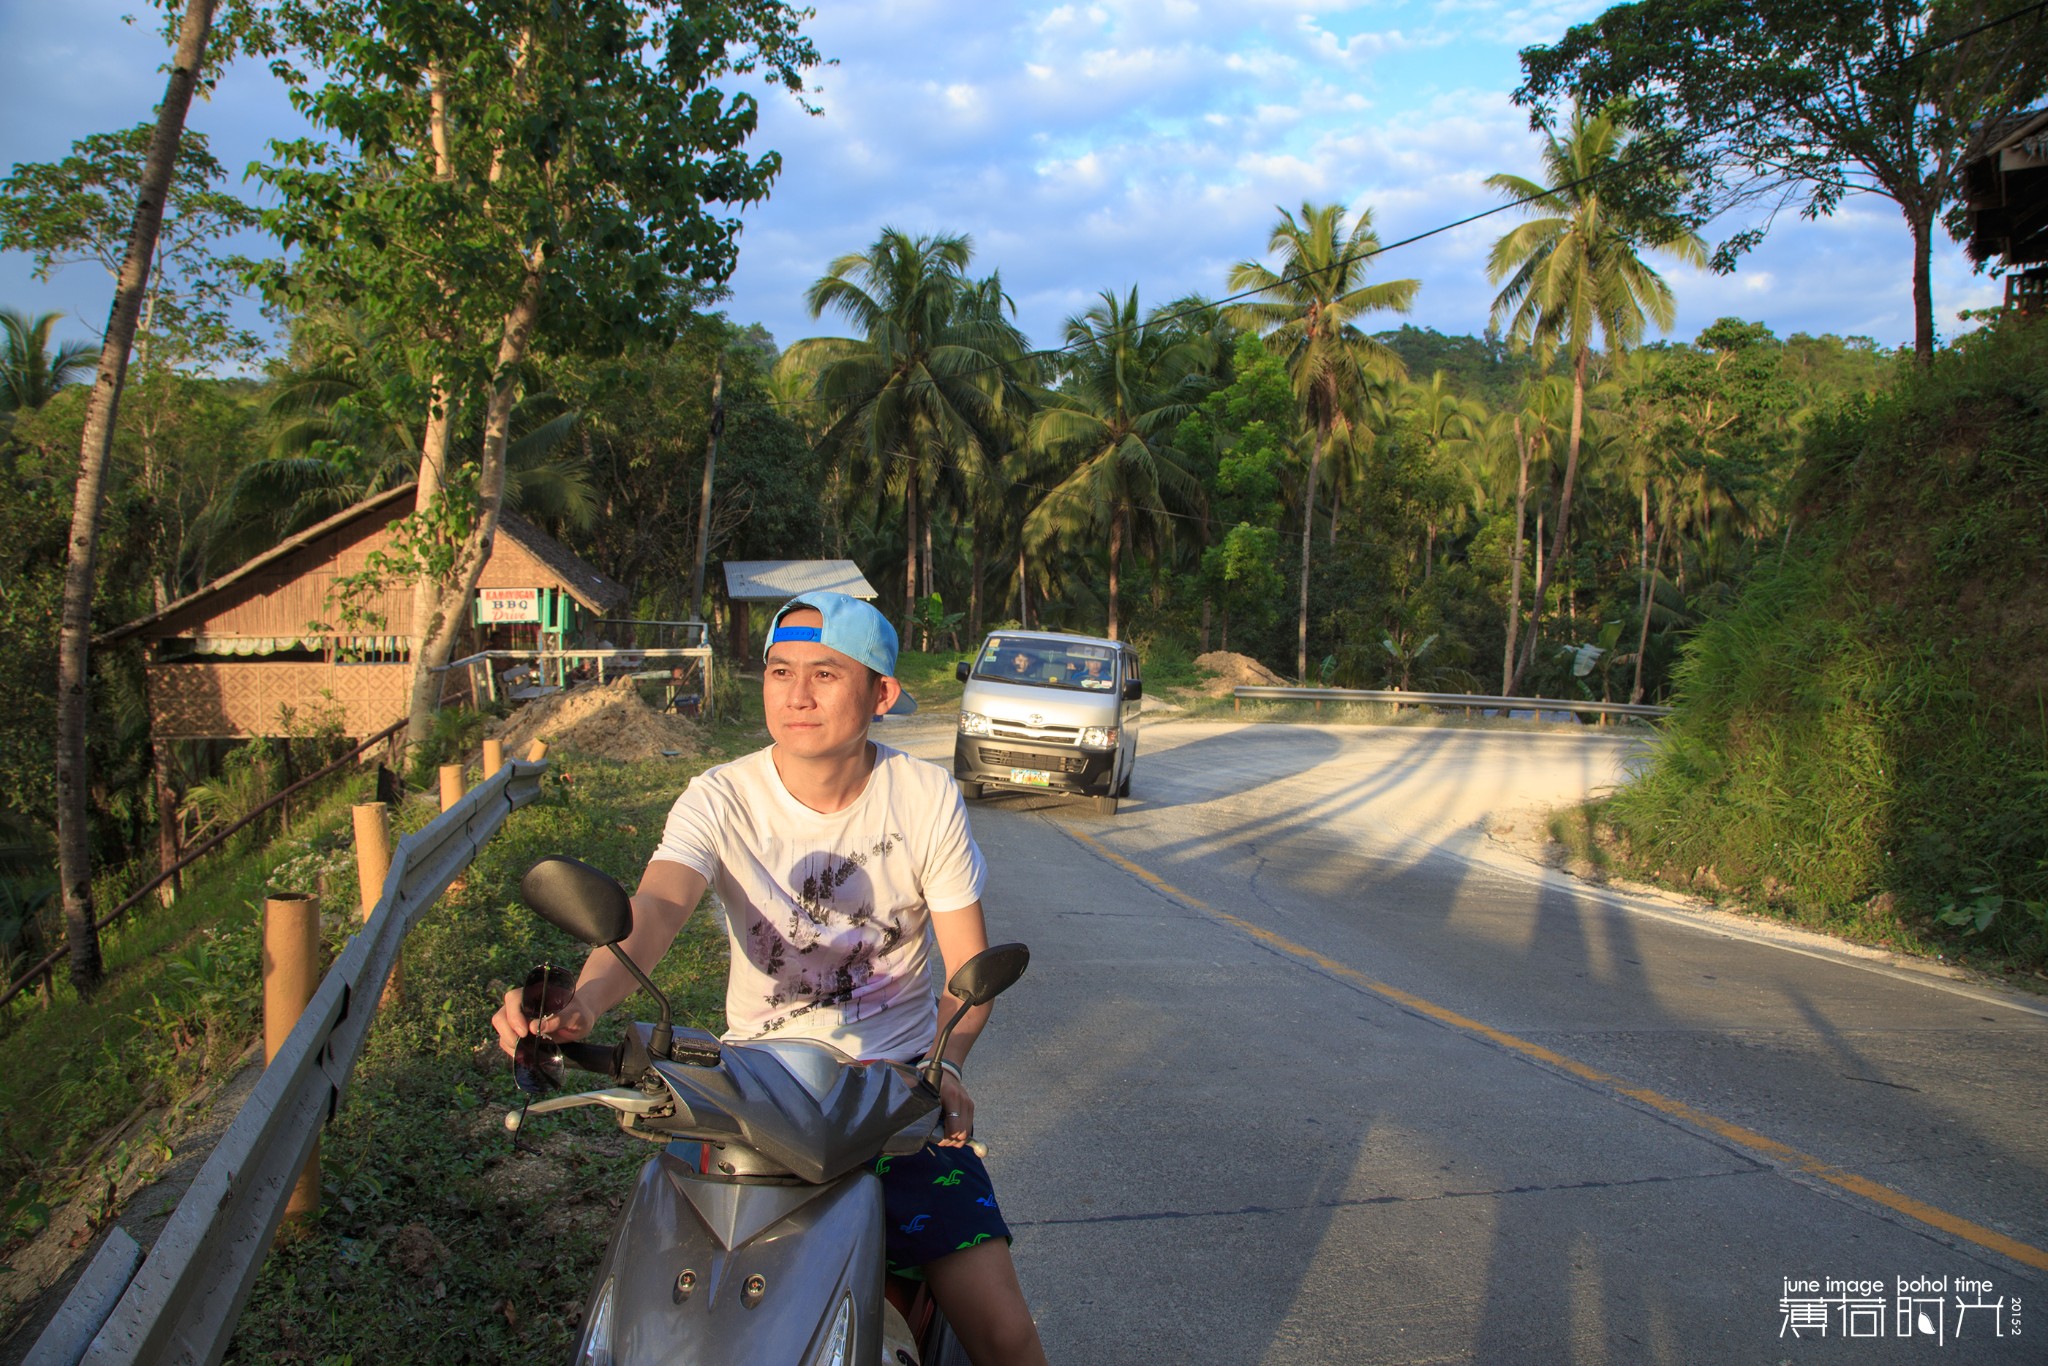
(807, 1258)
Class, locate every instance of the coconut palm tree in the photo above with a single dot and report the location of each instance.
(30, 372)
(920, 389)
(1130, 383)
(1575, 269)
(1309, 309)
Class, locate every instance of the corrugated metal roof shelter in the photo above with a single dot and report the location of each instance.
(781, 580)
(751, 581)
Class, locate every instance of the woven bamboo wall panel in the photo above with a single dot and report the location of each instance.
(244, 698)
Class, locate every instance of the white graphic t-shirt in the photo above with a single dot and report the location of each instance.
(827, 914)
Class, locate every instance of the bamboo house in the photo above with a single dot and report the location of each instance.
(258, 650)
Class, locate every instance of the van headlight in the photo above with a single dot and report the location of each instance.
(973, 723)
(597, 1337)
(839, 1337)
(1099, 737)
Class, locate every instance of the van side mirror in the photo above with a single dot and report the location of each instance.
(1133, 690)
(961, 670)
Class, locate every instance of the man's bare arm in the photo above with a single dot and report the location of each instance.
(961, 935)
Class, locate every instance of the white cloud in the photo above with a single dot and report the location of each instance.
(1093, 145)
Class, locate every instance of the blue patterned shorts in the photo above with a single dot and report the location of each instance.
(937, 1201)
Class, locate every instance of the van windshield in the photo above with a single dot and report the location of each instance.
(1047, 663)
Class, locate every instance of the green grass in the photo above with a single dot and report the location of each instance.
(437, 1241)
(420, 1141)
(929, 678)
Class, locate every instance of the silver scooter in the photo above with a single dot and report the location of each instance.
(756, 1234)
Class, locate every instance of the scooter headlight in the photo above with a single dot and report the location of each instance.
(597, 1335)
(1099, 737)
(839, 1337)
(973, 723)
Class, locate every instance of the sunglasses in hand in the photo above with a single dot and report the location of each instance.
(537, 1065)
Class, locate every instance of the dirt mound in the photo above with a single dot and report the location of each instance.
(609, 721)
(1235, 671)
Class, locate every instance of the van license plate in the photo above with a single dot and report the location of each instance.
(1031, 777)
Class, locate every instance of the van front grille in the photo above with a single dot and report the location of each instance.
(1049, 735)
(1046, 763)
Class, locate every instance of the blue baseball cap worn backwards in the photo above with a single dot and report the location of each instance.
(852, 627)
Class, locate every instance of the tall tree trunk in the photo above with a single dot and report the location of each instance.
(1562, 530)
(1308, 523)
(931, 578)
(977, 564)
(1207, 607)
(1116, 553)
(96, 444)
(444, 623)
(910, 501)
(1649, 598)
(1922, 223)
(704, 499)
(1023, 593)
(436, 441)
(1535, 609)
(163, 760)
(1507, 661)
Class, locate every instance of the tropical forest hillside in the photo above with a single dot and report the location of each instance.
(1860, 737)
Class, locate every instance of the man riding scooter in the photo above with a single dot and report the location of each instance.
(837, 860)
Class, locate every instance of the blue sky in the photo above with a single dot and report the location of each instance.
(1083, 147)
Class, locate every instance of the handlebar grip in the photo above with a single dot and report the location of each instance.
(592, 1057)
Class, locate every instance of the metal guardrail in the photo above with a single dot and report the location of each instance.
(1445, 699)
(181, 1303)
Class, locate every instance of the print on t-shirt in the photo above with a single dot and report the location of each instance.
(832, 917)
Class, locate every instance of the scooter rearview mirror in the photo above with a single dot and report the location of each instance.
(980, 980)
(989, 973)
(579, 900)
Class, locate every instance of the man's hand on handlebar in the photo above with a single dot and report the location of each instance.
(572, 1022)
(957, 1111)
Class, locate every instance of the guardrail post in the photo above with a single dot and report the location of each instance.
(373, 866)
(536, 751)
(451, 785)
(291, 970)
(494, 758)
(451, 793)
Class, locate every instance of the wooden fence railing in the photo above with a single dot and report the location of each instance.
(198, 852)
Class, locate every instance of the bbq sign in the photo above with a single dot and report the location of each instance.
(507, 604)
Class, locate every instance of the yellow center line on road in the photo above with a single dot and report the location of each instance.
(1759, 1144)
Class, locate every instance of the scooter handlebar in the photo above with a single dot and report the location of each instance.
(592, 1057)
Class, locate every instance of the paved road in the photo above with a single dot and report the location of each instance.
(1307, 1071)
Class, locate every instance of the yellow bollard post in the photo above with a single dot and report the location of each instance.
(494, 758)
(536, 751)
(451, 793)
(451, 785)
(373, 865)
(291, 969)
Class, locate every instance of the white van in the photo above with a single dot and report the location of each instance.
(1052, 712)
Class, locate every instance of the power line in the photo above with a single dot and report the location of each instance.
(1651, 150)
